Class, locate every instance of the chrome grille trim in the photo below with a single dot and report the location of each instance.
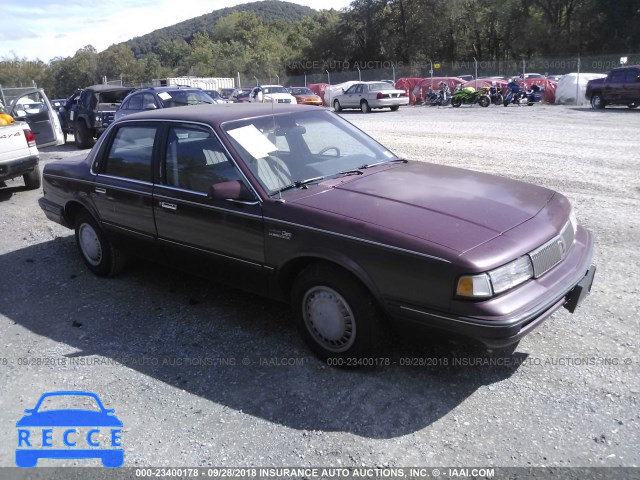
(550, 254)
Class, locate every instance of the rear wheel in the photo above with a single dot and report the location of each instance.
(364, 106)
(499, 99)
(597, 103)
(395, 108)
(336, 106)
(83, 136)
(32, 180)
(633, 105)
(97, 251)
(336, 315)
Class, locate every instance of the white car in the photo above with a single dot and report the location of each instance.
(369, 95)
(271, 93)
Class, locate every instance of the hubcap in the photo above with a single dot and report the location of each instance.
(90, 244)
(329, 319)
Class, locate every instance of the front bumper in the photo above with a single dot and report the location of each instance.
(572, 280)
(16, 168)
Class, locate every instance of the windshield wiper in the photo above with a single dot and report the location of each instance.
(393, 160)
(300, 183)
(305, 182)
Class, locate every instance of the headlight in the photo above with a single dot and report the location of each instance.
(496, 281)
(511, 274)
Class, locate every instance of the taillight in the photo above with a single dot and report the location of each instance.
(31, 139)
(404, 94)
(380, 96)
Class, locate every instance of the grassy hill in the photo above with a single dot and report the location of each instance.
(268, 10)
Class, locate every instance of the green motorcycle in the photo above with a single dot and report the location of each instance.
(469, 96)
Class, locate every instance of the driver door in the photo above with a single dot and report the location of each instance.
(34, 108)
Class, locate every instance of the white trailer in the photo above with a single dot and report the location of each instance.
(205, 83)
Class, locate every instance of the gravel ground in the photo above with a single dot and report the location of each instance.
(569, 397)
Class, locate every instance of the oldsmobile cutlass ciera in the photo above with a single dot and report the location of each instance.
(297, 204)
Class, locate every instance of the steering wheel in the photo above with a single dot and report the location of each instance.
(330, 147)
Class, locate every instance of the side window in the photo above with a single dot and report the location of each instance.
(149, 102)
(617, 76)
(131, 153)
(29, 105)
(195, 160)
(351, 89)
(359, 88)
(631, 76)
(135, 103)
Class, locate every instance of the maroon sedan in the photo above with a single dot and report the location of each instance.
(296, 204)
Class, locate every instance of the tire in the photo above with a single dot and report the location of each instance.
(83, 136)
(484, 101)
(499, 99)
(364, 107)
(32, 180)
(335, 314)
(97, 251)
(394, 108)
(336, 106)
(456, 102)
(64, 136)
(633, 105)
(597, 103)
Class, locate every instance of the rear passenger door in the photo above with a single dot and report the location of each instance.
(123, 188)
(632, 86)
(220, 239)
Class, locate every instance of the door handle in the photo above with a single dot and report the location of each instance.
(169, 206)
(101, 190)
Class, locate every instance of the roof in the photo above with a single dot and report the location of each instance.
(218, 113)
(109, 88)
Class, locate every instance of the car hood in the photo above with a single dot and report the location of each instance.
(455, 208)
(308, 97)
(69, 418)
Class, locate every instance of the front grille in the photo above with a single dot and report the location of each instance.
(553, 252)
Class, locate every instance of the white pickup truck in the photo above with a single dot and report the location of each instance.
(36, 125)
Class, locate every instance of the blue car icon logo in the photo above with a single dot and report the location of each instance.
(49, 431)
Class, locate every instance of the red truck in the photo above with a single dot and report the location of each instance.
(620, 87)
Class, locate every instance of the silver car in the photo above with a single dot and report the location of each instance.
(369, 95)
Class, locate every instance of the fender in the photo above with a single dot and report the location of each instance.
(286, 272)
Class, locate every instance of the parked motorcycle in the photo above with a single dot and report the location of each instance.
(441, 98)
(469, 96)
(495, 94)
(519, 96)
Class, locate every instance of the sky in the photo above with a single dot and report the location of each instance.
(44, 29)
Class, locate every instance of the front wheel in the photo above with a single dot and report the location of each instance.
(364, 107)
(597, 103)
(32, 180)
(484, 101)
(336, 106)
(336, 315)
(456, 102)
(97, 251)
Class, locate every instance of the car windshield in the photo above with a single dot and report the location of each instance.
(179, 98)
(274, 90)
(284, 149)
(301, 91)
(68, 402)
(374, 87)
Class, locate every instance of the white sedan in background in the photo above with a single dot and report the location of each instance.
(271, 93)
(369, 95)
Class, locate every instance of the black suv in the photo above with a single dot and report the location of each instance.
(90, 111)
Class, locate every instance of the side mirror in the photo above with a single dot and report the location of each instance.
(231, 190)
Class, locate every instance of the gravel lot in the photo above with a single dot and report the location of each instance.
(204, 375)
